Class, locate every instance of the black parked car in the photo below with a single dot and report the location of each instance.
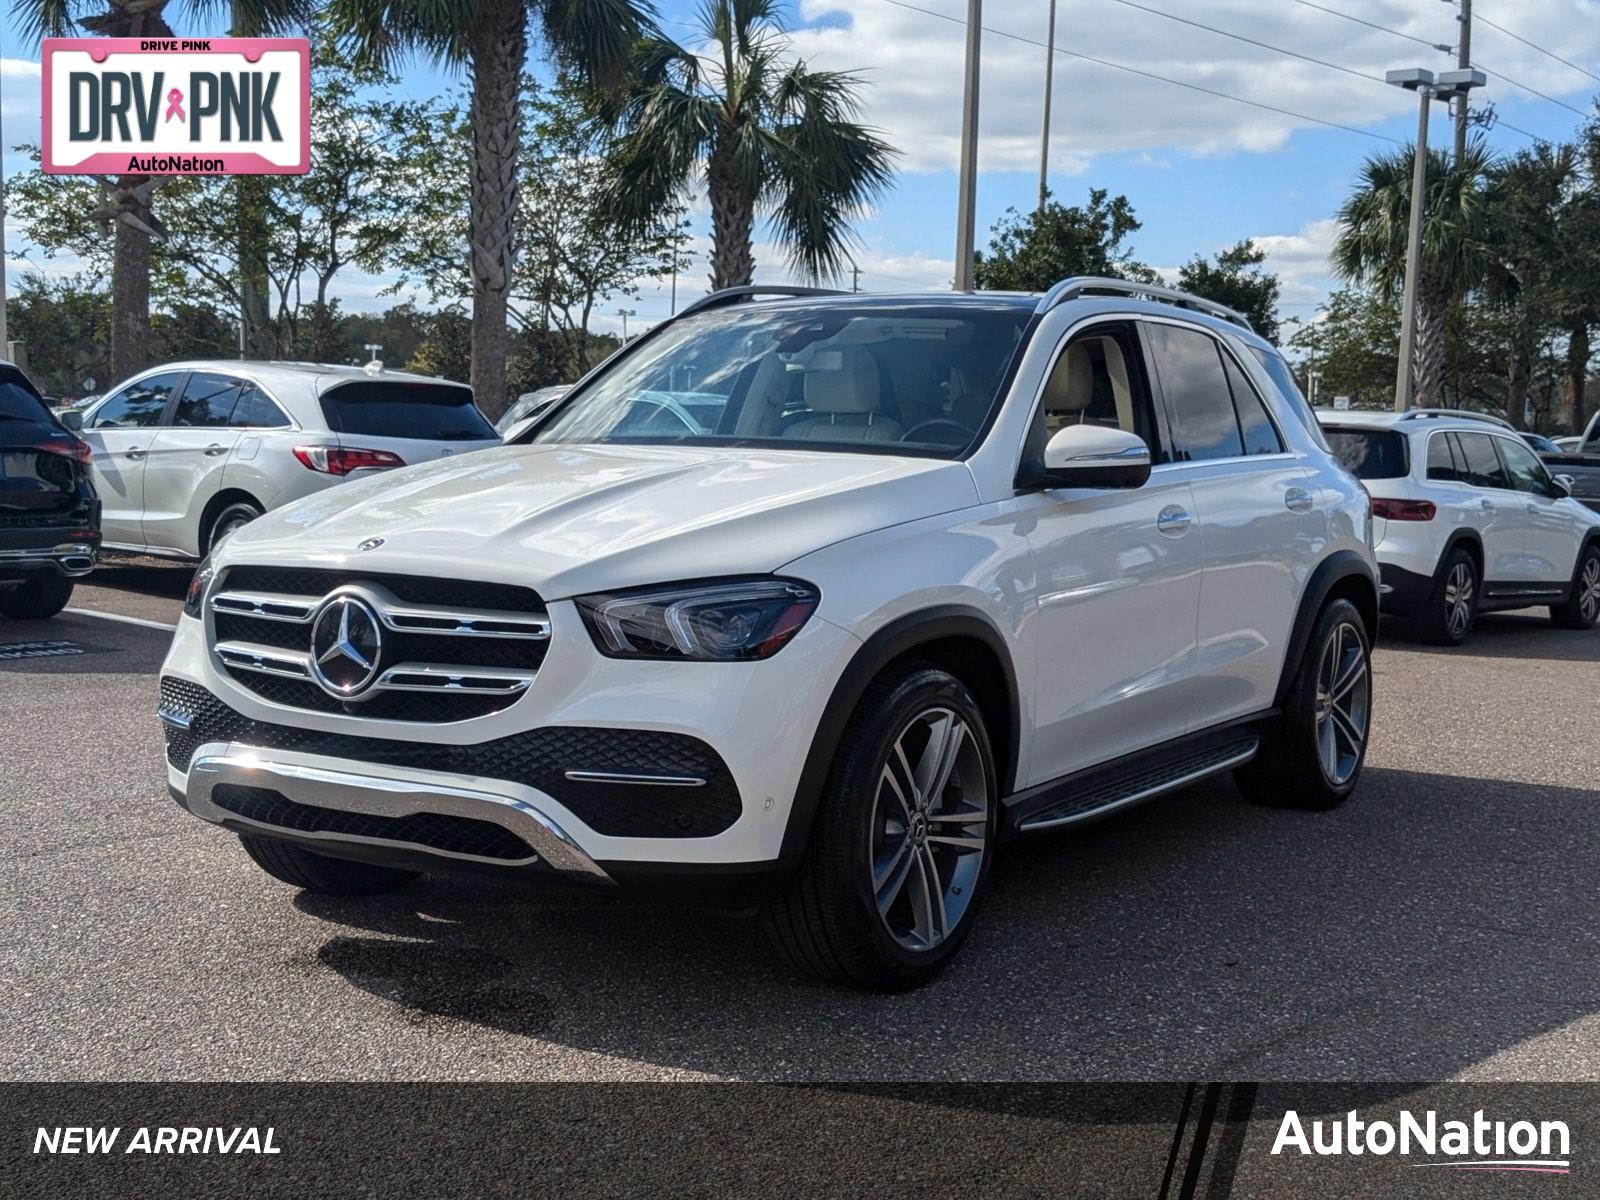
(49, 513)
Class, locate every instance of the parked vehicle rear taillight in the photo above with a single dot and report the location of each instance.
(75, 448)
(341, 460)
(1403, 510)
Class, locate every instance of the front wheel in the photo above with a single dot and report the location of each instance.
(1582, 607)
(900, 851)
(42, 596)
(1313, 756)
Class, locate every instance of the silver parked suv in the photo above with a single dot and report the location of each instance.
(186, 453)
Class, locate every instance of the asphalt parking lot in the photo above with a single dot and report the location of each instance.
(1441, 925)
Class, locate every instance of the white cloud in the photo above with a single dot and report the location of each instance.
(1301, 262)
(913, 64)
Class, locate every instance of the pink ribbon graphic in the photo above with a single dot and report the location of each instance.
(175, 105)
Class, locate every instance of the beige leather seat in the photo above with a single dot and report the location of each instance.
(1070, 392)
(844, 405)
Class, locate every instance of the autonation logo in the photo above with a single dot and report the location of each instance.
(1476, 1145)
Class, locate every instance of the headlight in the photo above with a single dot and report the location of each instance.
(194, 599)
(725, 620)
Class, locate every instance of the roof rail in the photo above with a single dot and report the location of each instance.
(1083, 285)
(734, 295)
(1416, 414)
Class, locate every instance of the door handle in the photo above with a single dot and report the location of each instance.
(213, 450)
(1487, 507)
(1297, 500)
(1173, 521)
(135, 453)
(1533, 510)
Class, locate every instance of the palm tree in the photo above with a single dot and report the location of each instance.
(769, 135)
(127, 205)
(1371, 247)
(490, 37)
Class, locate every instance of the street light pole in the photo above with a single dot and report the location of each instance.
(1450, 85)
(1463, 61)
(966, 210)
(1408, 307)
(1049, 87)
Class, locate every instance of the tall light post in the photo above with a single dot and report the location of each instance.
(966, 205)
(1049, 88)
(625, 313)
(1447, 86)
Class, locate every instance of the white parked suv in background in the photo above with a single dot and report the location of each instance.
(1466, 519)
(930, 572)
(186, 453)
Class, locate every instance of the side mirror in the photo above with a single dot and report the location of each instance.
(1564, 485)
(72, 419)
(1093, 456)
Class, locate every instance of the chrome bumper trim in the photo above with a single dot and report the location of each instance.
(71, 559)
(645, 780)
(220, 763)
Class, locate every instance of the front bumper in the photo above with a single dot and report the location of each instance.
(250, 790)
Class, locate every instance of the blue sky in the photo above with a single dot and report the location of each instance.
(1201, 171)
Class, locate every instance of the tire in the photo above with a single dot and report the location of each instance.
(318, 873)
(1330, 698)
(1582, 608)
(868, 843)
(42, 596)
(229, 521)
(1448, 618)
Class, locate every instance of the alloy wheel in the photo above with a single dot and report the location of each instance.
(930, 829)
(1459, 590)
(1589, 591)
(1344, 703)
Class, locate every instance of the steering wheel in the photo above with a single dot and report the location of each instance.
(910, 435)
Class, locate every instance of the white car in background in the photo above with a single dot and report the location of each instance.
(1467, 519)
(185, 454)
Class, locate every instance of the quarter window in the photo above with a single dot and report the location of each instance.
(256, 411)
(138, 405)
(1205, 425)
(1483, 465)
(1444, 466)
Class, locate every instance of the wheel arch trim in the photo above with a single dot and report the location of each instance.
(1332, 571)
(895, 640)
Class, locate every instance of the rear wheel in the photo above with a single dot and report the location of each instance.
(318, 873)
(900, 852)
(1453, 605)
(1314, 755)
(1582, 607)
(42, 596)
(229, 521)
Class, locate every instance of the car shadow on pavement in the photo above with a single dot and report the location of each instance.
(147, 576)
(1525, 634)
(1431, 924)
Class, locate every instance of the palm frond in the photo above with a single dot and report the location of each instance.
(596, 39)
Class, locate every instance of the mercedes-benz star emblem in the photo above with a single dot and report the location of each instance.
(346, 644)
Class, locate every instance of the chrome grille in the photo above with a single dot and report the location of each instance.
(445, 656)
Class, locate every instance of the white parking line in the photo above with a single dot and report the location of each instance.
(105, 616)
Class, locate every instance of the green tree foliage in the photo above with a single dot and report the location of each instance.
(1350, 344)
(1237, 278)
(64, 324)
(1032, 253)
(769, 135)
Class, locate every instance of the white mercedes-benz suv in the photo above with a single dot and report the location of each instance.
(1467, 519)
(932, 572)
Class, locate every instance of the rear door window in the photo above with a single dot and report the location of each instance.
(1484, 468)
(1260, 435)
(432, 412)
(1277, 368)
(1204, 424)
(256, 410)
(1369, 453)
(138, 405)
(207, 401)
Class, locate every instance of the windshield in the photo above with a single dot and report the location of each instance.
(435, 412)
(1369, 453)
(906, 380)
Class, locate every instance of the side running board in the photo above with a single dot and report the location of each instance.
(1104, 794)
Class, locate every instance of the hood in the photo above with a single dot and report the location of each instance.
(573, 519)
